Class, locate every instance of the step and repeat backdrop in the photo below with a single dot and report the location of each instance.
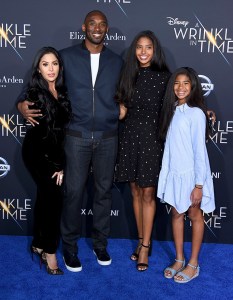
(198, 34)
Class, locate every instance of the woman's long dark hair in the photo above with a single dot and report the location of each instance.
(39, 93)
(131, 67)
(37, 81)
(195, 99)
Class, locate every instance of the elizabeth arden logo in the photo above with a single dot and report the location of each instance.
(6, 80)
(76, 35)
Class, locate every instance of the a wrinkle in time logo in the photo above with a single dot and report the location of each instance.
(15, 209)
(208, 40)
(121, 4)
(12, 126)
(221, 133)
(221, 130)
(115, 1)
(14, 36)
(213, 221)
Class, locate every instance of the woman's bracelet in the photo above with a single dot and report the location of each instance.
(198, 186)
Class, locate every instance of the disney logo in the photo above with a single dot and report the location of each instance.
(176, 21)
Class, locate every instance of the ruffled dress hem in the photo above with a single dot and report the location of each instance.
(175, 189)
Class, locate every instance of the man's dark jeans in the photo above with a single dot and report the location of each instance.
(80, 153)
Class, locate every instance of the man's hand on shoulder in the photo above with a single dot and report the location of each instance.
(28, 113)
(212, 116)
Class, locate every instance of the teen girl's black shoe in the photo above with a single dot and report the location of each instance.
(141, 267)
(134, 256)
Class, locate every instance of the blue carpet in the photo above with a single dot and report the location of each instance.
(21, 278)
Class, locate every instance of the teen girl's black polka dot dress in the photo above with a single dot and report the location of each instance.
(140, 151)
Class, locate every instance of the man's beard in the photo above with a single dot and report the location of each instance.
(95, 41)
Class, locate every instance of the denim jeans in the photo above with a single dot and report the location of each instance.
(80, 153)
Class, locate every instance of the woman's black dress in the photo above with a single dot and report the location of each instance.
(43, 155)
(139, 156)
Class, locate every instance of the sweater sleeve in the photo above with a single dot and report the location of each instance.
(23, 95)
(65, 105)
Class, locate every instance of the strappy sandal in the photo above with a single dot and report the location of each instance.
(143, 265)
(134, 256)
(187, 278)
(172, 271)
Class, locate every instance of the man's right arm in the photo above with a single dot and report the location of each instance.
(23, 107)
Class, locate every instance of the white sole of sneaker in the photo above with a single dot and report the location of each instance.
(103, 263)
(73, 269)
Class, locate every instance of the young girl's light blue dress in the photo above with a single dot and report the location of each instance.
(185, 161)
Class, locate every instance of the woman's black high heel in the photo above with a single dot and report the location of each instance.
(134, 256)
(57, 271)
(50, 271)
(40, 254)
(143, 266)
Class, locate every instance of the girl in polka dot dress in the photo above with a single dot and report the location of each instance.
(140, 94)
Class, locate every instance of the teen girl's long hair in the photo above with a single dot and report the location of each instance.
(129, 74)
(195, 99)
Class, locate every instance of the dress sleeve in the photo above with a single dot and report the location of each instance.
(198, 136)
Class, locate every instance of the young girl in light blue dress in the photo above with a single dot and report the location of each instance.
(185, 180)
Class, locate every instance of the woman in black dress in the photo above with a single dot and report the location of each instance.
(140, 94)
(43, 152)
